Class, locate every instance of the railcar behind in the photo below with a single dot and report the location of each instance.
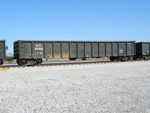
(2, 51)
(143, 50)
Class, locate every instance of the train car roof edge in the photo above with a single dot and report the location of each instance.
(65, 41)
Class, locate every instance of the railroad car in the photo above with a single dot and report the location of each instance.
(2, 51)
(26, 51)
(143, 50)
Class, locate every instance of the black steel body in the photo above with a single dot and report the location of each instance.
(143, 50)
(2, 51)
(26, 49)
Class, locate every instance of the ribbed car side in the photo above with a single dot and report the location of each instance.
(26, 51)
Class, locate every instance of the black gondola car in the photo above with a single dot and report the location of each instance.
(35, 51)
(2, 51)
(143, 50)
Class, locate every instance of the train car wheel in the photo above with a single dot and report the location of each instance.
(145, 58)
(21, 61)
(123, 59)
(83, 59)
(134, 58)
(72, 58)
(112, 58)
(18, 62)
(38, 61)
(1, 62)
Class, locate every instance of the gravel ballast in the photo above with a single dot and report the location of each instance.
(94, 88)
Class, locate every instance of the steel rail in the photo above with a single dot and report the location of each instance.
(63, 63)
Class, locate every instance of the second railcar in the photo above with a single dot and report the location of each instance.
(143, 50)
(26, 50)
(2, 51)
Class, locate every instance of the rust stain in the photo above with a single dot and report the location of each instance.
(65, 55)
(49, 56)
(57, 56)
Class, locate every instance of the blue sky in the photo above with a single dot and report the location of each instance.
(91, 20)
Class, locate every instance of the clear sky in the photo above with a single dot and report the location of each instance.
(91, 20)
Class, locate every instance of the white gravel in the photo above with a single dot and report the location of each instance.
(97, 88)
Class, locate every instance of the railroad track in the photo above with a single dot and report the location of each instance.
(60, 63)
(55, 64)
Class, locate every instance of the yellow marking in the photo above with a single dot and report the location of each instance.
(4, 69)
